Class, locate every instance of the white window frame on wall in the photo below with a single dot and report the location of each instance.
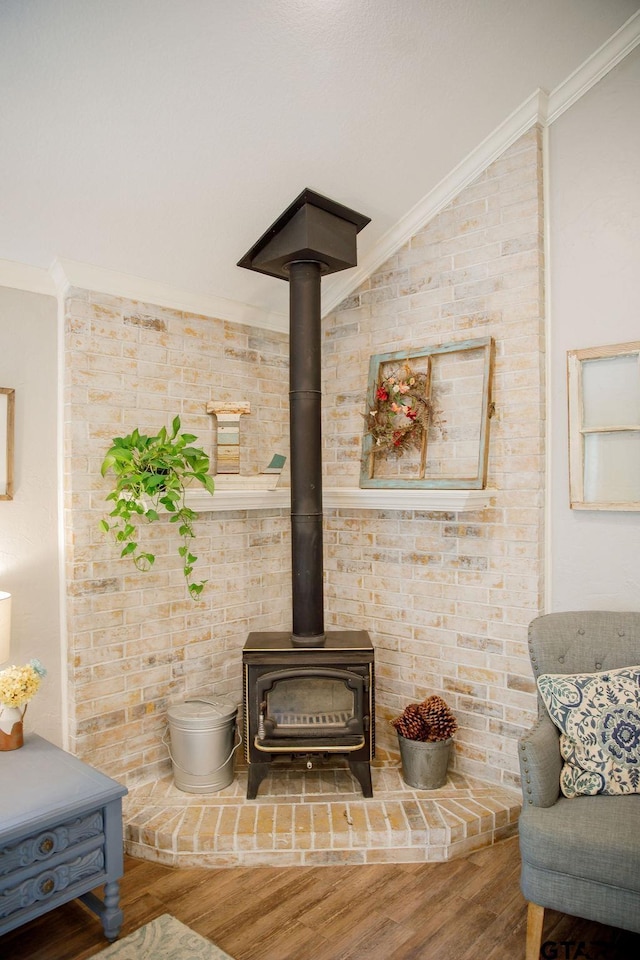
(596, 484)
(423, 480)
(7, 421)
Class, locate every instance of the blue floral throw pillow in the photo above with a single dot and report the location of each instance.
(598, 715)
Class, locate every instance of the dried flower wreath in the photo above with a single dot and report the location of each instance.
(402, 412)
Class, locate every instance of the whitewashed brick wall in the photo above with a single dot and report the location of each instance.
(446, 598)
(137, 642)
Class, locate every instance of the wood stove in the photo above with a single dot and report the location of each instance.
(307, 692)
(309, 706)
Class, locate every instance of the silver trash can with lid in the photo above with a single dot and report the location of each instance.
(202, 732)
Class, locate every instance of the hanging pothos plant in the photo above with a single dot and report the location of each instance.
(152, 474)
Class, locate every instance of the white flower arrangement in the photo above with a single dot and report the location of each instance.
(18, 685)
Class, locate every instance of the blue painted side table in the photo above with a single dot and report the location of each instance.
(60, 835)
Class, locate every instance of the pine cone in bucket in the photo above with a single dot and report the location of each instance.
(430, 720)
(409, 724)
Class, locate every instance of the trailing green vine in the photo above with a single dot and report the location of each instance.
(152, 474)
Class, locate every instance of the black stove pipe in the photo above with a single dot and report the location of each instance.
(313, 237)
(305, 414)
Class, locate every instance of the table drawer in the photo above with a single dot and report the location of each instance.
(19, 892)
(60, 836)
(45, 844)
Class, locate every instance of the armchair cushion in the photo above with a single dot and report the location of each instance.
(598, 715)
(581, 856)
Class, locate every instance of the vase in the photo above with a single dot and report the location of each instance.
(11, 730)
(425, 763)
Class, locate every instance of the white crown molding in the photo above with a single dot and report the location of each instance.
(540, 107)
(22, 276)
(71, 273)
(595, 68)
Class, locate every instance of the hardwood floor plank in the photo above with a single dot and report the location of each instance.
(382, 938)
(508, 927)
(465, 909)
(432, 883)
(445, 931)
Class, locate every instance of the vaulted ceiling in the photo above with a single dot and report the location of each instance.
(160, 138)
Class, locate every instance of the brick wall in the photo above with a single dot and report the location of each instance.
(446, 597)
(137, 642)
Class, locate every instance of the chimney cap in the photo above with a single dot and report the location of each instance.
(312, 228)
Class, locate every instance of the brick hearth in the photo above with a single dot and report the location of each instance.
(318, 816)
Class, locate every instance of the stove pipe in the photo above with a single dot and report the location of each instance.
(314, 236)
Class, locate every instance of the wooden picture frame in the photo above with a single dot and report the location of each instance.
(7, 426)
(454, 449)
(604, 427)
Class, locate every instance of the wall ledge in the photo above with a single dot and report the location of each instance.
(345, 498)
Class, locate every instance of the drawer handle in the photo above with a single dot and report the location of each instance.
(46, 845)
(47, 886)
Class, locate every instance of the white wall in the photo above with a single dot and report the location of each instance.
(595, 300)
(29, 564)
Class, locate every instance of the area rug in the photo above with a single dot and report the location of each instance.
(165, 938)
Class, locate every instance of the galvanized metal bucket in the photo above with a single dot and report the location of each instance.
(202, 744)
(425, 763)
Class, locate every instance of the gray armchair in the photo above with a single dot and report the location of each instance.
(580, 856)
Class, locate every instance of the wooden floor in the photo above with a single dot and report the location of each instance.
(465, 909)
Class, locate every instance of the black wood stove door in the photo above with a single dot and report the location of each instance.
(308, 703)
(302, 706)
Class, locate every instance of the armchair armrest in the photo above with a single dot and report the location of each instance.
(540, 764)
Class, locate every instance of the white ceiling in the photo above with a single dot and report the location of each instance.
(160, 138)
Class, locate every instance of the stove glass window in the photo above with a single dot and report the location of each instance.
(316, 701)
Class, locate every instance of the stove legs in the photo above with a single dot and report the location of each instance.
(362, 772)
(256, 774)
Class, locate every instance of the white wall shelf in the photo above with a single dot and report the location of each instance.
(350, 498)
(403, 499)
